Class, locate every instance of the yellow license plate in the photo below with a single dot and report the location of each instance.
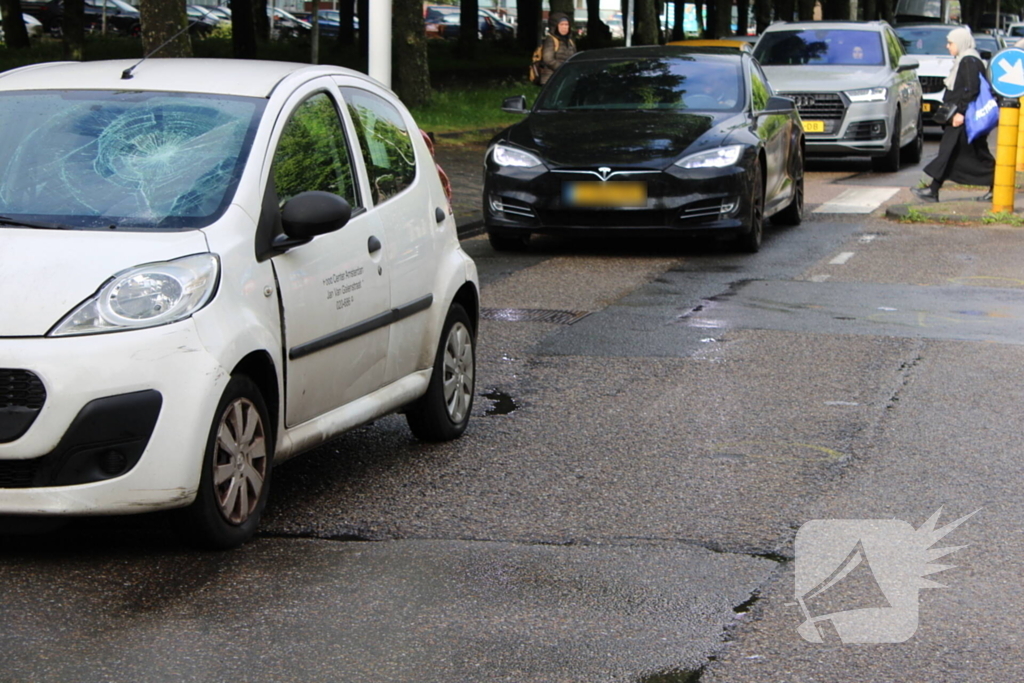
(926, 107)
(814, 126)
(609, 194)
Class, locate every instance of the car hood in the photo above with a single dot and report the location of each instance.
(47, 273)
(934, 65)
(615, 138)
(825, 78)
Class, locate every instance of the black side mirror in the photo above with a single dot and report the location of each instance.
(777, 104)
(309, 214)
(514, 105)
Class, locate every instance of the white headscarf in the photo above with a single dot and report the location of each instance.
(964, 42)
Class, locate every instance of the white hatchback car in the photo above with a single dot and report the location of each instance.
(208, 267)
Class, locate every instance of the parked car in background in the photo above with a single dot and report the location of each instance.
(987, 45)
(201, 22)
(121, 18)
(742, 45)
(243, 258)
(648, 141)
(855, 87)
(286, 25)
(927, 42)
(214, 15)
(444, 21)
(33, 26)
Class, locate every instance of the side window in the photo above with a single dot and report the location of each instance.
(759, 90)
(313, 153)
(387, 147)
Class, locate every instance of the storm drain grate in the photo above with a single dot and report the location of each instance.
(533, 315)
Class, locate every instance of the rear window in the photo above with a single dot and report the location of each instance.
(838, 47)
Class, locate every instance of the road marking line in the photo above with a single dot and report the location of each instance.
(820, 278)
(858, 200)
(864, 239)
(841, 259)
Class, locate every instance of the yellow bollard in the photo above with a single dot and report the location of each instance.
(1020, 149)
(1005, 186)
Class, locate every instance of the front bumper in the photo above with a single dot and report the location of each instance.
(679, 201)
(124, 425)
(848, 128)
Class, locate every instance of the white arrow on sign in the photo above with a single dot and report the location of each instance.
(1014, 73)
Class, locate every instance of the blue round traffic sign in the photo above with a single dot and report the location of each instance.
(1006, 72)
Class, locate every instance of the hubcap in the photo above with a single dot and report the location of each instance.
(240, 461)
(457, 381)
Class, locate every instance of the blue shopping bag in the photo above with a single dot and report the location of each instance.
(983, 113)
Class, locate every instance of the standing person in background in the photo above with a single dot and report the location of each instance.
(967, 163)
(557, 47)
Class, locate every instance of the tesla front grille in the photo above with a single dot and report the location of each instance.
(818, 105)
(21, 398)
(932, 84)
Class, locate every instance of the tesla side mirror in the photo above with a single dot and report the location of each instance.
(309, 214)
(514, 105)
(906, 63)
(778, 104)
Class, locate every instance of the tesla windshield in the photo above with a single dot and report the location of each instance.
(658, 83)
(122, 159)
(839, 47)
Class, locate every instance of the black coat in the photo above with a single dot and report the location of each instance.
(967, 163)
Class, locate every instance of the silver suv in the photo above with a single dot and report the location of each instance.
(855, 87)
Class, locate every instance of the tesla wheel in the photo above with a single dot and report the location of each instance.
(508, 242)
(750, 241)
(890, 163)
(443, 412)
(793, 214)
(235, 478)
(912, 152)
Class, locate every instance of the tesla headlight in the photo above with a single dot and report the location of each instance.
(145, 296)
(715, 158)
(868, 95)
(504, 155)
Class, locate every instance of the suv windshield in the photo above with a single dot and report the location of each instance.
(925, 40)
(123, 159)
(660, 83)
(838, 47)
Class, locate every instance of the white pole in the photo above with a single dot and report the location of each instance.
(627, 23)
(380, 41)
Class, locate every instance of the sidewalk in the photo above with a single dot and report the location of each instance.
(955, 206)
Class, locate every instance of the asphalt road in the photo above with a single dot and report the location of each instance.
(655, 423)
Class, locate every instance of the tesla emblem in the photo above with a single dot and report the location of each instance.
(604, 172)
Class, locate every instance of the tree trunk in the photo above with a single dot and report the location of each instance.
(835, 10)
(742, 12)
(762, 14)
(347, 31)
(243, 29)
(469, 19)
(411, 81)
(887, 12)
(72, 28)
(646, 23)
(784, 10)
(723, 18)
(711, 22)
(529, 31)
(363, 8)
(161, 19)
(261, 19)
(15, 33)
(677, 28)
(598, 33)
(805, 8)
(566, 7)
(701, 24)
(870, 10)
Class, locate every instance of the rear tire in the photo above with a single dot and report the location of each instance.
(235, 479)
(443, 412)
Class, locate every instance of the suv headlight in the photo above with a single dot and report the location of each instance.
(715, 158)
(504, 155)
(868, 95)
(145, 296)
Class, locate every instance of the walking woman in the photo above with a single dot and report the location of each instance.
(967, 163)
(557, 47)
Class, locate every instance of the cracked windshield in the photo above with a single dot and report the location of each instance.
(122, 160)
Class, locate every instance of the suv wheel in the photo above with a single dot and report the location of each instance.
(913, 151)
(890, 163)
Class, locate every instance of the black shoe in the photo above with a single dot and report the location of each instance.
(925, 193)
(987, 197)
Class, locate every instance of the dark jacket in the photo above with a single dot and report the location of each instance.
(967, 163)
(555, 49)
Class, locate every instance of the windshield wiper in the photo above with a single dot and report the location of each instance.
(7, 220)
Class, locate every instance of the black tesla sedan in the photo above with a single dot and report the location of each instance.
(653, 140)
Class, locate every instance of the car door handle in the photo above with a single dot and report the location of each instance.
(439, 215)
(373, 244)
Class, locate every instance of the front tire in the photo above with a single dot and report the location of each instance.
(793, 214)
(443, 412)
(890, 163)
(750, 242)
(508, 242)
(915, 149)
(235, 479)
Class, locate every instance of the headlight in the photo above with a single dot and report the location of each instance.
(868, 95)
(146, 296)
(715, 158)
(510, 156)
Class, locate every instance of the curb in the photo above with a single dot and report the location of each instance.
(956, 211)
(471, 229)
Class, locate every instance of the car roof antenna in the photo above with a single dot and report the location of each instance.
(127, 73)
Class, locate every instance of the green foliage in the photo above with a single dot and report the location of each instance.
(312, 154)
(473, 108)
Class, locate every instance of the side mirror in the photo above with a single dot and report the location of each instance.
(907, 63)
(514, 105)
(985, 54)
(777, 104)
(309, 214)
